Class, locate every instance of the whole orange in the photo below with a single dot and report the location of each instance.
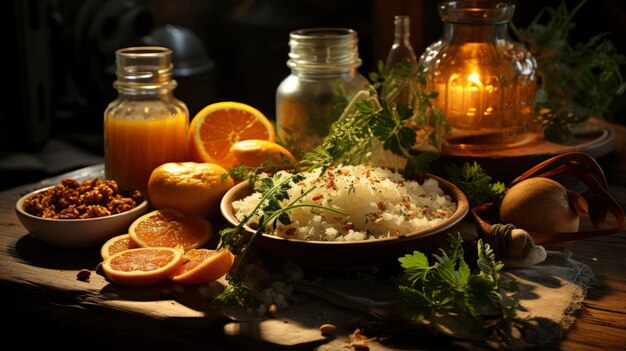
(190, 187)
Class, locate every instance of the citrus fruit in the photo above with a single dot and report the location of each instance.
(170, 228)
(142, 266)
(253, 152)
(117, 244)
(190, 187)
(218, 126)
(202, 266)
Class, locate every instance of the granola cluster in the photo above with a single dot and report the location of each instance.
(87, 199)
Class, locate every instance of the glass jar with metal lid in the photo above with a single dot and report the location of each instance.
(146, 125)
(323, 80)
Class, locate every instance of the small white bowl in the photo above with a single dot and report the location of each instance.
(77, 233)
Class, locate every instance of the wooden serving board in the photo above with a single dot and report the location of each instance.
(597, 139)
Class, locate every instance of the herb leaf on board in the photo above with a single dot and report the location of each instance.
(448, 287)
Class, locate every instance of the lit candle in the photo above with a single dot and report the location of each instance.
(485, 81)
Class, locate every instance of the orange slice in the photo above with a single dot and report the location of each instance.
(218, 126)
(201, 266)
(142, 266)
(170, 228)
(253, 152)
(117, 244)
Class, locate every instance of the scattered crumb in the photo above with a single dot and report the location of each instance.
(272, 309)
(99, 268)
(595, 259)
(83, 275)
(359, 341)
(327, 329)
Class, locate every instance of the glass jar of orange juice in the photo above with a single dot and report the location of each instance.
(146, 125)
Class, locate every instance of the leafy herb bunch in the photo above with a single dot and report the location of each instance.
(575, 81)
(369, 122)
(475, 183)
(448, 290)
(426, 118)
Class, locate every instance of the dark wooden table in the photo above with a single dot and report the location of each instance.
(43, 304)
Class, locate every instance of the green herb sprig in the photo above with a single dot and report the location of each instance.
(576, 81)
(426, 117)
(238, 240)
(374, 120)
(448, 287)
(475, 183)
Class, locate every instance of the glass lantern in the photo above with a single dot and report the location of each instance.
(486, 82)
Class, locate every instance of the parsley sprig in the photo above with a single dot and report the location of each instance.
(426, 117)
(448, 287)
(475, 183)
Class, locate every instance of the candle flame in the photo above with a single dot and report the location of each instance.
(474, 78)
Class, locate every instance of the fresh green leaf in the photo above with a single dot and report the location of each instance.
(415, 261)
(447, 287)
(577, 81)
(475, 183)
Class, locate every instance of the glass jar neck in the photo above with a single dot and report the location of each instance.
(402, 29)
(468, 33)
(475, 20)
(323, 52)
(160, 91)
(144, 70)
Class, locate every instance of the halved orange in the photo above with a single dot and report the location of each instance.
(117, 244)
(142, 266)
(253, 152)
(170, 228)
(201, 266)
(218, 126)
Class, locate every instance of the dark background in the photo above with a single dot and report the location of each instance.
(59, 76)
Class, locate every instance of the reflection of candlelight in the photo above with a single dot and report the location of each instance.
(471, 95)
(485, 81)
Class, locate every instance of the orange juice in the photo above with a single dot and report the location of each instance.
(135, 147)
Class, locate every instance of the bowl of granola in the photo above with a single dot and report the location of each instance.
(79, 214)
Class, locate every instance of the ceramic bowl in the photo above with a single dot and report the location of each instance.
(351, 254)
(77, 233)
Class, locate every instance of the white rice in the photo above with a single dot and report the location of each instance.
(377, 203)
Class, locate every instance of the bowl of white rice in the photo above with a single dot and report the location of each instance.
(349, 216)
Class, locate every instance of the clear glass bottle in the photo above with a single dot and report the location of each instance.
(401, 57)
(323, 80)
(486, 81)
(146, 125)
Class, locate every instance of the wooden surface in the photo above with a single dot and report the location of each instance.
(44, 304)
